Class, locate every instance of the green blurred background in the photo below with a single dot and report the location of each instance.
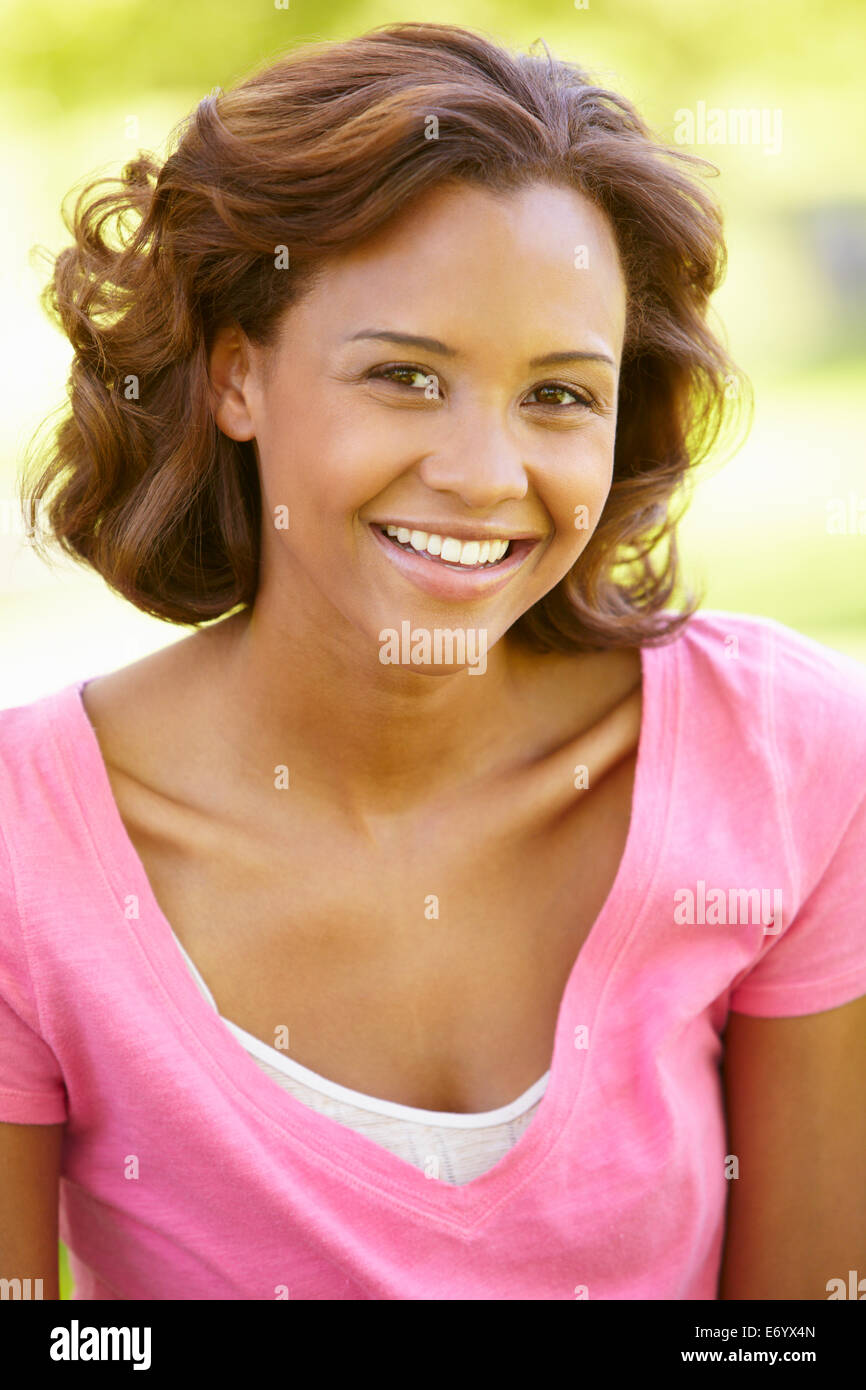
(778, 529)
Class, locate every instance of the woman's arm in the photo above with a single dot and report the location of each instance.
(795, 1094)
(29, 1187)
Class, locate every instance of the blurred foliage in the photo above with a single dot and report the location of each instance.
(66, 1283)
(662, 46)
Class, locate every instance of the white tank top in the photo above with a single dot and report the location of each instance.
(454, 1148)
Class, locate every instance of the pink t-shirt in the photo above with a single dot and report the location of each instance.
(189, 1173)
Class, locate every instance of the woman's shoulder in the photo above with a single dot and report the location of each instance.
(48, 745)
(107, 701)
(30, 732)
(760, 692)
(45, 778)
(748, 649)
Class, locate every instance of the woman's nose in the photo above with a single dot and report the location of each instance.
(484, 468)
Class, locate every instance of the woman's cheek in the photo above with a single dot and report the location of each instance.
(579, 507)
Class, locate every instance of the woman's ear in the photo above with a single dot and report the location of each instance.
(230, 371)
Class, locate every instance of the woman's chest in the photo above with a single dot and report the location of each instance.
(427, 970)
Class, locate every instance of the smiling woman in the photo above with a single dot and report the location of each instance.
(404, 360)
(364, 428)
(240, 223)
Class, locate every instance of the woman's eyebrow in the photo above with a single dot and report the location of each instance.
(550, 359)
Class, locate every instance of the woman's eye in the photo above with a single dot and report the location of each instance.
(579, 399)
(404, 374)
(388, 373)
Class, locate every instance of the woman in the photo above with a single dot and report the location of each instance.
(342, 973)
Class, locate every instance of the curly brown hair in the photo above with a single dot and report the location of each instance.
(312, 153)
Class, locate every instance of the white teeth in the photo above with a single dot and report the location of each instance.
(453, 551)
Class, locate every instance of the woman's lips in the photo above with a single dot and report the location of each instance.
(500, 546)
(446, 579)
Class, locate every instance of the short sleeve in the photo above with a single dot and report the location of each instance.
(32, 1089)
(818, 961)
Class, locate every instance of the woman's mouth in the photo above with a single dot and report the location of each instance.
(449, 567)
(448, 550)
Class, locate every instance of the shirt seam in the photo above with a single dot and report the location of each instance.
(22, 934)
(789, 840)
(780, 798)
(668, 696)
(8, 1092)
(854, 973)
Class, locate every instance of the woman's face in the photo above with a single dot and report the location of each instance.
(409, 389)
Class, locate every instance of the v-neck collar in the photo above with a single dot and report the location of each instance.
(351, 1156)
(287, 1066)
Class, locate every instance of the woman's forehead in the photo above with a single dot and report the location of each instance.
(463, 263)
